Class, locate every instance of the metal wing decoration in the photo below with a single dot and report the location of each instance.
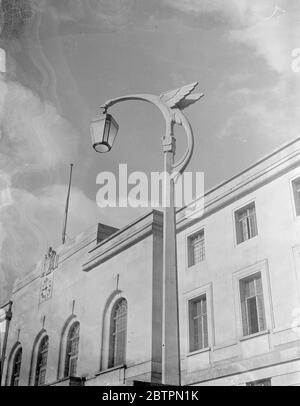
(182, 97)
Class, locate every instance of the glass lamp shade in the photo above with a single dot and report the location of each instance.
(103, 132)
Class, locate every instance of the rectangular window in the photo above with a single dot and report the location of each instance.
(245, 223)
(296, 191)
(196, 248)
(198, 323)
(261, 382)
(252, 304)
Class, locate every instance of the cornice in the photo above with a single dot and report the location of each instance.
(264, 171)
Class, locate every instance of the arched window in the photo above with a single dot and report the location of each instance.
(16, 367)
(117, 342)
(41, 363)
(72, 350)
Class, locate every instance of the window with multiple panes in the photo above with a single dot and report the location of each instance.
(196, 248)
(252, 304)
(41, 363)
(261, 382)
(245, 223)
(16, 367)
(198, 323)
(72, 350)
(296, 191)
(118, 331)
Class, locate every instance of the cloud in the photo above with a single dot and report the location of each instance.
(266, 113)
(87, 15)
(270, 30)
(271, 111)
(33, 138)
(238, 12)
(272, 38)
(33, 135)
(268, 27)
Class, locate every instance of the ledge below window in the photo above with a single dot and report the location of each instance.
(106, 371)
(260, 333)
(190, 354)
(198, 266)
(68, 381)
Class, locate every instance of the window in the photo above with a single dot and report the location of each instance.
(41, 363)
(261, 382)
(198, 323)
(245, 223)
(72, 350)
(118, 334)
(15, 375)
(196, 248)
(296, 191)
(252, 304)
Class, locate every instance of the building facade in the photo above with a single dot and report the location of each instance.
(90, 312)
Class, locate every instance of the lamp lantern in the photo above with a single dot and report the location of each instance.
(103, 132)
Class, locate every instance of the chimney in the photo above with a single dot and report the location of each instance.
(104, 231)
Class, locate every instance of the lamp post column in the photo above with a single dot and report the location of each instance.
(170, 315)
(170, 104)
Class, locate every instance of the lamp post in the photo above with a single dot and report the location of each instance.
(103, 132)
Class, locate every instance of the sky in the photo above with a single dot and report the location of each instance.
(64, 58)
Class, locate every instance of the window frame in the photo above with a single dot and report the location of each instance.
(203, 316)
(294, 206)
(17, 348)
(262, 267)
(69, 357)
(188, 237)
(237, 233)
(258, 381)
(15, 376)
(296, 268)
(190, 248)
(38, 365)
(206, 290)
(113, 335)
(247, 301)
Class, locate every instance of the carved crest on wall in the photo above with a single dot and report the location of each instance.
(46, 287)
(50, 262)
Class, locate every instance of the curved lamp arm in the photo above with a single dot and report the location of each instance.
(171, 116)
(180, 165)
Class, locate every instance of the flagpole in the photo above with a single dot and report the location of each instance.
(67, 207)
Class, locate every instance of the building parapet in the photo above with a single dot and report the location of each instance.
(264, 171)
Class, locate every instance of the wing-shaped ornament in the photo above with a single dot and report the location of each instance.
(181, 98)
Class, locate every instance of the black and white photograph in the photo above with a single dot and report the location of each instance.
(149, 196)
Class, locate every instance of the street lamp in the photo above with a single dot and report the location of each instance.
(103, 133)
